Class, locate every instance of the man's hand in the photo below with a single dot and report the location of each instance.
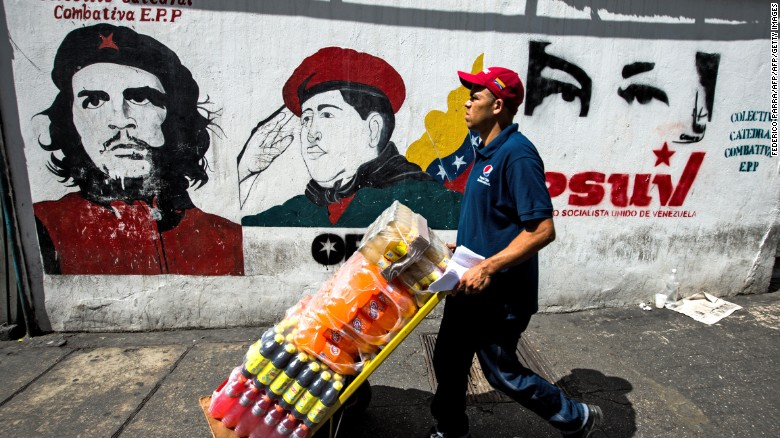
(268, 141)
(475, 280)
(536, 235)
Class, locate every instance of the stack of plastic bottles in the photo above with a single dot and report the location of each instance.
(293, 374)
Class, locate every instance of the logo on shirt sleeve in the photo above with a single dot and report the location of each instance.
(484, 178)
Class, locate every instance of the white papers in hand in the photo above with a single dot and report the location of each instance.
(461, 261)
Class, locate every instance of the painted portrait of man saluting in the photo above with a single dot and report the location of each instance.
(339, 109)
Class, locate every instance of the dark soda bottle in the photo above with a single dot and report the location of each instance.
(321, 407)
(283, 381)
(254, 416)
(227, 397)
(272, 370)
(298, 387)
(311, 395)
(267, 426)
(260, 353)
(244, 403)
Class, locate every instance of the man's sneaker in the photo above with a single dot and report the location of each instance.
(594, 420)
(434, 433)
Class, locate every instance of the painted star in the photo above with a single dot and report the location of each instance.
(474, 141)
(663, 155)
(328, 246)
(458, 162)
(107, 42)
(442, 173)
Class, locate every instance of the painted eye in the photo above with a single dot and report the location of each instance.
(93, 101)
(326, 115)
(306, 120)
(138, 101)
(643, 94)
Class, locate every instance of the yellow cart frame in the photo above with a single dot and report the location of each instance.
(371, 365)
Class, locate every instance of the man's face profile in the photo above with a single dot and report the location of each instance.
(118, 112)
(335, 139)
(479, 108)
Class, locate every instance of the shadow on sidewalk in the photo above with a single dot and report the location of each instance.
(610, 393)
(388, 412)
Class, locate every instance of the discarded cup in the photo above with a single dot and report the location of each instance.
(660, 300)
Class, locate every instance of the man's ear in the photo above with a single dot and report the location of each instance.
(498, 105)
(375, 125)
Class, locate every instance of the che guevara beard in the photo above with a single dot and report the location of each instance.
(133, 176)
(162, 182)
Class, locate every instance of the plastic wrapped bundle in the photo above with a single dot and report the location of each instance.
(359, 312)
(335, 331)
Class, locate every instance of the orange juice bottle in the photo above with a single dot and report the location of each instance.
(336, 358)
(383, 311)
(365, 328)
(405, 303)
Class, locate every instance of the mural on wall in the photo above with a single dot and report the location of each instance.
(339, 107)
(633, 194)
(446, 150)
(127, 129)
(588, 188)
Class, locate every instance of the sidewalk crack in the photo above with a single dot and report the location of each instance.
(151, 393)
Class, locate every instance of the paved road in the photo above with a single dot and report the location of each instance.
(655, 373)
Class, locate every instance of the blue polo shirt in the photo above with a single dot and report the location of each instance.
(505, 189)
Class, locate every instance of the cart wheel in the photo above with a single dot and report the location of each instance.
(359, 400)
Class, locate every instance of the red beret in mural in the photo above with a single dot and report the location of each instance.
(333, 68)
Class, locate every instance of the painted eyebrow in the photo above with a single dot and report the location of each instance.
(637, 68)
(327, 105)
(86, 93)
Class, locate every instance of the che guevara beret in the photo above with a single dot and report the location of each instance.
(106, 43)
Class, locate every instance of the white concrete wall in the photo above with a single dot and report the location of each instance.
(628, 208)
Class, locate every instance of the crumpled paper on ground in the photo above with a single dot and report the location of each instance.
(704, 307)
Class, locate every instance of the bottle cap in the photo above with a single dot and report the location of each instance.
(290, 348)
(325, 375)
(337, 385)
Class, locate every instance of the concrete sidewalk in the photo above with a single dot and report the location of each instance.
(654, 373)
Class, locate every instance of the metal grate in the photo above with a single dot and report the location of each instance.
(479, 390)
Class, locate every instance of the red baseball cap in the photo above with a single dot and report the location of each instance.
(332, 68)
(505, 84)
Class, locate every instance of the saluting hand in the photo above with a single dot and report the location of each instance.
(269, 139)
